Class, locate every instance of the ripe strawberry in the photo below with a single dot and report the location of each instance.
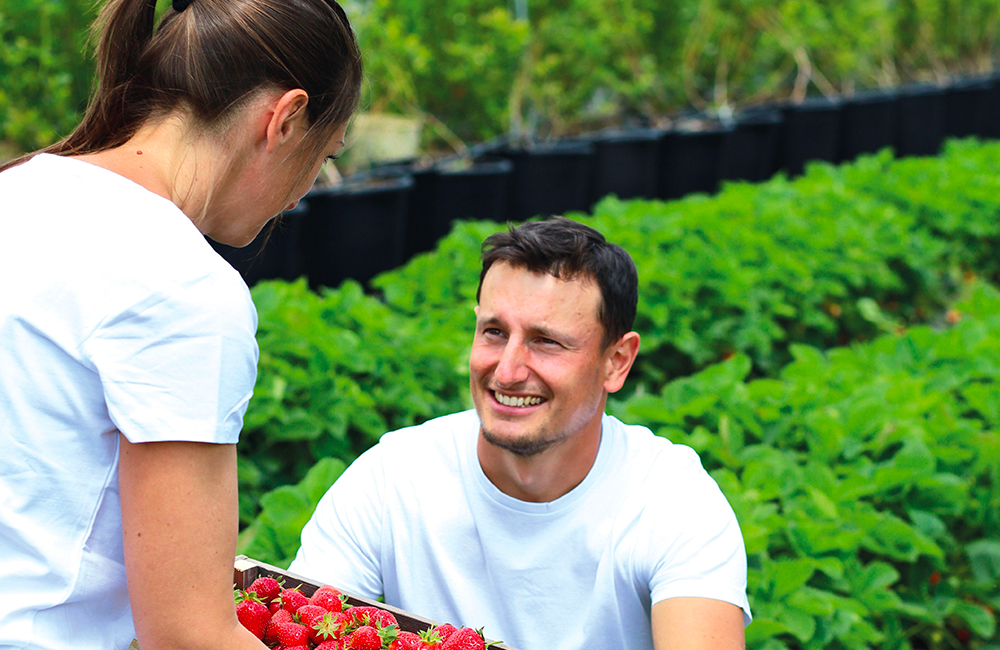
(295, 647)
(465, 638)
(332, 644)
(445, 630)
(406, 641)
(309, 615)
(292, 634)
(292, 599)
(375, 616)
(325, 628)
(252, 613)
(365, 637)
(280, 617)
(328, 598)
(266, 588)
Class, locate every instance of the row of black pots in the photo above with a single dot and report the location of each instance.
(377, 220)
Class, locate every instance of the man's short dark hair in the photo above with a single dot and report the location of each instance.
(568, 249)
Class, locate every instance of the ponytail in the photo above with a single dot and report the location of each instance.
(208, 58)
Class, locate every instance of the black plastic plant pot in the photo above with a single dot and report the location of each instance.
(920, 120)
(548, 179)
(749, 150)
(810, 132)
(453, 191)
(626, 164)
(992, 127)
(967, 110)
(355, 230)
(275, 254)
(689, 161)
(868, 123)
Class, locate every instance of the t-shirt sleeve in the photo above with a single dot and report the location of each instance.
(696, 547)
(342, 541)
(180, 364)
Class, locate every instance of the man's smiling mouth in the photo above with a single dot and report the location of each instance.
(511, 400)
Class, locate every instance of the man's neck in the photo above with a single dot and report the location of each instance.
(541, 477)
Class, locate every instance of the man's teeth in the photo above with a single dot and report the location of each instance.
(508, 400)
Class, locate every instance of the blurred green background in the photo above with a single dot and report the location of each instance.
(469, 70)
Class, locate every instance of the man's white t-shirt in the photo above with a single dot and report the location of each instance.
(115, 315)
(415, 519)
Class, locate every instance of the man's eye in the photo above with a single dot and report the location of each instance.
(331, 158)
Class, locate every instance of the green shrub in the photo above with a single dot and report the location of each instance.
(336, 371)
(866, 481)
(45, 72)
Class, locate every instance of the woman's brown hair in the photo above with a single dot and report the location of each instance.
(208, 59)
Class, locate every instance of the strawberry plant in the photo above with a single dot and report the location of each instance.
(866, 481)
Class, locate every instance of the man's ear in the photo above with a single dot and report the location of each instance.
(288, 112)
(619, 359)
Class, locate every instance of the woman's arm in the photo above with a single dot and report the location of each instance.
(697, 624)
(180, 521)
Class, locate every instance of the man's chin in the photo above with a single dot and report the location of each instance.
(524, 446)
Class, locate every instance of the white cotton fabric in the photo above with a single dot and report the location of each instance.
(115, 314)
(416, 519)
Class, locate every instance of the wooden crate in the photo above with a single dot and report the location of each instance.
(246, 570)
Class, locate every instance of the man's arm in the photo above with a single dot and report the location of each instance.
(180, 521)
(697, 624)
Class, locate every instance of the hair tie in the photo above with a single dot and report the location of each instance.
(181, 5)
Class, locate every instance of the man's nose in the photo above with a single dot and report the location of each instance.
(512, 366)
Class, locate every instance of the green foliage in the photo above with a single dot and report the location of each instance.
(45, 74)
(450, 61)
(274, 534)
(866, 481)
(473, 69)
(336, 371)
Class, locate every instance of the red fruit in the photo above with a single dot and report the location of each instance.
(326, 628)
(296, 647)
(309, 615)
(332, 644)
(345, 623)
(406, 641)
(266, 588)
(374, 616)
(465, 638)
(280, 617)
(292, 634)
(252, 613)
(328, 598)
(292, 599)
(445, 630)
(364, 638)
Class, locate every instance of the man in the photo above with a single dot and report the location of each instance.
(537, 516)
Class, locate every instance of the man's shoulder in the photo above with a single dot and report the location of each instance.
(662, 459)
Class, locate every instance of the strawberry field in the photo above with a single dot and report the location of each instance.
(830, 345)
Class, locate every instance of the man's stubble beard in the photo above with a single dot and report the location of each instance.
(524, 447)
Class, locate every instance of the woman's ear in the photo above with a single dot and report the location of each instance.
(288, 113)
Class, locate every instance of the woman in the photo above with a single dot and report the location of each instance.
(127, 350)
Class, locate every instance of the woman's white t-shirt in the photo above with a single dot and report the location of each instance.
(115, 315)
